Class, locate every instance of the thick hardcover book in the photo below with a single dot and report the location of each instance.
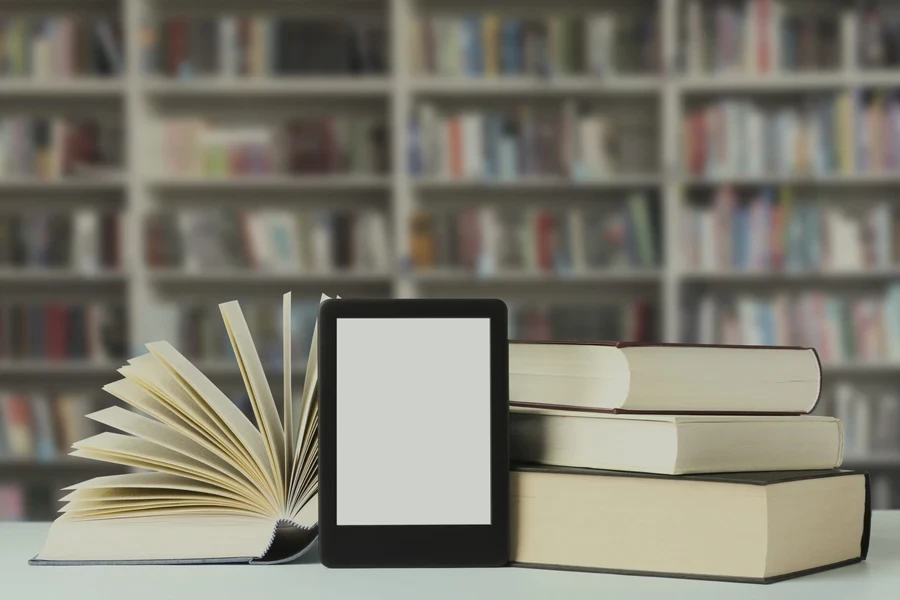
(749, 527)
(625, 377)
(675, 444)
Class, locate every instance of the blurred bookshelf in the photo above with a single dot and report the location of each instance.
(576, 158)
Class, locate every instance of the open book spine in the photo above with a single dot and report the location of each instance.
(289, 543)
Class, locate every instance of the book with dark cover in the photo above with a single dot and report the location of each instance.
(60, 241)
(342, 240)
(112, 324)
(821, 508)
(307, 140)
(6, 240)
(36, 338)
(16, 331)
(313, 47)
(76, 333)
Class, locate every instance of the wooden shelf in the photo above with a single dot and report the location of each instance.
(536, 184)
(68, 185)
(766, 83)
(81, 87)
(860, 179)
(68, 369)
(318, 183)
(270, 86)
(63, 463)
(535, 86)
(875, 78)
(452, 277)
(237, 277)
(780, 277)
(51, 276)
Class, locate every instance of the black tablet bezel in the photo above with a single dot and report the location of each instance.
(413, 545)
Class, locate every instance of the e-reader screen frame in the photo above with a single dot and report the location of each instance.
(413, 545)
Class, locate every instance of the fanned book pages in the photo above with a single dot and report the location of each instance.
(213, 488)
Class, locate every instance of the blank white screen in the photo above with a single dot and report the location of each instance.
(413, 422)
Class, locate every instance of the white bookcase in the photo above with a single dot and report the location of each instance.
(142, 98)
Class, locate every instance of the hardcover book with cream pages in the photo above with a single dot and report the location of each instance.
(675, 444)
(627, 377)
(212, 487)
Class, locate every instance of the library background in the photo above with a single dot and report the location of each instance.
(717, 171)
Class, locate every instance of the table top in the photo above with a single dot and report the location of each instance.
(878, 577)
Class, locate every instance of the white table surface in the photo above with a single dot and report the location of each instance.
(877, 578)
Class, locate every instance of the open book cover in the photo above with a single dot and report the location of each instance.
(212, 486)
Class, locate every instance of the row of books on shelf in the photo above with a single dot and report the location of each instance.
(634, 320)
(876, 131)
(54, 147)
(741, 137)
(879, 35)
(595, 43)
(574, 142)
(842, 133)
(310, 145)
(59, 47)
(758, 37)
(197, 331)
(85, 241)
(871, 419)
(61, 331)
(490, 240)
(769, 231)
(21, 501)
(231, 45)
(42, 427)
(844, 329)
(269, 240)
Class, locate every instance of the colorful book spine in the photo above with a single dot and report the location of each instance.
(759, 37)
(268, 240)
(762, 233)
(491, 241)
(576, 143)
(255, 45)
(60, 46)
(734, 138)
(844, 330)
(556, 44)
(62, 332)
(630, 320)
(305, 146)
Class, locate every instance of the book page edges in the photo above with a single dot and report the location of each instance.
(287, 419)
(159, 538)
(270, 425)
(210, 540)
(553, 410)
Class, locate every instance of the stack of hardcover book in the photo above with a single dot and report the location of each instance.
(685, 461)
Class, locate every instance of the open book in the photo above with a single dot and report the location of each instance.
(214, 488)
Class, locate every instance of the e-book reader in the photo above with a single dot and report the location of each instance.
(413, 464)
